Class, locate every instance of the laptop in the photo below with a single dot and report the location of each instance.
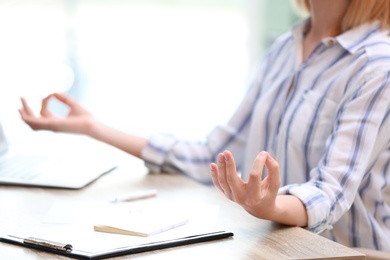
(56, 161)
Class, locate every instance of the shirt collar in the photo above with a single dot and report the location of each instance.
(299, 30)
(351, 40)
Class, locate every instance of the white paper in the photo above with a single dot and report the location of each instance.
(73, 223)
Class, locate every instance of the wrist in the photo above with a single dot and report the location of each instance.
(286, 209)
(90, 128)
(290, 210)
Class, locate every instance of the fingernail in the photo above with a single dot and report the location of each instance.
(226, 157)
(221, 158)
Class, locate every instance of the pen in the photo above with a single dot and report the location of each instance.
(135, 196)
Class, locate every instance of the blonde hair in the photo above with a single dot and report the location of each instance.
(358, 12)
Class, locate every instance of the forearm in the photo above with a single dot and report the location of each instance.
(288, 210)
(126, 142)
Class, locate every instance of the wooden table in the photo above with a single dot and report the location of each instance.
(253, 238)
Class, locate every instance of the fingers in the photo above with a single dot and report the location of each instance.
(65, 99)
(256, 173)
(26, 110)
(214, 175)
(225, 177)
(73, 104)
(270, 185)
(36, 123)
(232, 178)
(222, 175)
(273, 173)
(27, 114)
(44, 110)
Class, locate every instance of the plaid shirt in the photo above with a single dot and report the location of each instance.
(325, 120)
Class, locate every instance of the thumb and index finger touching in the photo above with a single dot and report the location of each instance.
(27, 113)
(264, 159)
(63, 98)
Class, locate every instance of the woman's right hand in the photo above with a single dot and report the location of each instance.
(78, 119)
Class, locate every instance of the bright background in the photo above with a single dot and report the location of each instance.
(142, 66)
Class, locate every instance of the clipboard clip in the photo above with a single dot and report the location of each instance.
(46, 243)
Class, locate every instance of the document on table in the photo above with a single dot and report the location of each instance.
(86, 243)
(141, 224)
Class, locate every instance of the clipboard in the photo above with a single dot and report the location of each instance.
(67, 249)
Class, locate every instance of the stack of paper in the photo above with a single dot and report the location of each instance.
(139, 224)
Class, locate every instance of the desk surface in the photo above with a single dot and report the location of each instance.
(253, 238)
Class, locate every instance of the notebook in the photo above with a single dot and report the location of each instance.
(141, 224)
(57, 163)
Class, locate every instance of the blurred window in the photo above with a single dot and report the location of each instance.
(140, 65)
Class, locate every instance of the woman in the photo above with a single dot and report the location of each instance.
(319, 106)
(325, 121)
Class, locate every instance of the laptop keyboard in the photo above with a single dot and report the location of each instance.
(20, 167)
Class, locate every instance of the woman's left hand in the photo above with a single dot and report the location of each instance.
(257, 195)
